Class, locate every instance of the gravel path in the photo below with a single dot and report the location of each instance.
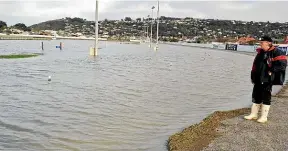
(238, 134)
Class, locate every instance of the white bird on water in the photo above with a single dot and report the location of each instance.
(49, 78)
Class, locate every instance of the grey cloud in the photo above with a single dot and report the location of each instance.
(19, 11)
(51, 4)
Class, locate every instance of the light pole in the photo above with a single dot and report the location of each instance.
(148, 29)
(147, 33)
(156, 48)
(94, 51)
(144, 32)
(96, 29)
(151, 40)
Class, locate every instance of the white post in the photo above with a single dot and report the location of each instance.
(94, 50)
(148, 30)
(157, 27)
(151, 40)
(96, 29)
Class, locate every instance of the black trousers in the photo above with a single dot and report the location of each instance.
(262, 93)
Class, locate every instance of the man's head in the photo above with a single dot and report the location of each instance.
(266, 43)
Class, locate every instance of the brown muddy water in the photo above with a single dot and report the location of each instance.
(127, 98)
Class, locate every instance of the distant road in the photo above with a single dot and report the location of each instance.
(41, 37)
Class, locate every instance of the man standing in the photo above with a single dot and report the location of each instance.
(268, 69)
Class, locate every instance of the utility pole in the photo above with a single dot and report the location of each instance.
(156, 48)
(151, 39)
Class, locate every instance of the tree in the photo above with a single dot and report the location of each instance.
(28, 29)
(138, 19)
(128, 19)
(8, 32)
(174, 40)
(21, 26)
(162, 18)
(78, 20)
(165, 39)
(2, 25)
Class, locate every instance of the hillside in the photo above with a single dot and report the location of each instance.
(169, 26)
(58, 24)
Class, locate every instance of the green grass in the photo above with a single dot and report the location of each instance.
(17, 56)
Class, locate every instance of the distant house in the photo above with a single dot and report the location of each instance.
(44, 33)
(16, 31)
(246, 40)
(105, 36)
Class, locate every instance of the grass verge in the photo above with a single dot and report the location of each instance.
(17, 56)
(198, 136)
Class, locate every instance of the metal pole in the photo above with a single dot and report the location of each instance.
(144, 32)
(151, 40)
(148, 39)
(147, 32)
(157, 26)
(96, 30)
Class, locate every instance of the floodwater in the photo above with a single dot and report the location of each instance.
(127, 98)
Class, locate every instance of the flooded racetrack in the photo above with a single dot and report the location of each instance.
(127, 98)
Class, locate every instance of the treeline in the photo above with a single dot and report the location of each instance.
(169, 27)
(19, 26)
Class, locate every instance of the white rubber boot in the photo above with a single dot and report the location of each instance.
(254, 112)
(264, 113)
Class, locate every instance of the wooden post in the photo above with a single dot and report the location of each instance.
(61, 45)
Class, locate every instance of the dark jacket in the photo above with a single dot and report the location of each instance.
(273, 61)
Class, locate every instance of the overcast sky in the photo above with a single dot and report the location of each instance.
(31, 12)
